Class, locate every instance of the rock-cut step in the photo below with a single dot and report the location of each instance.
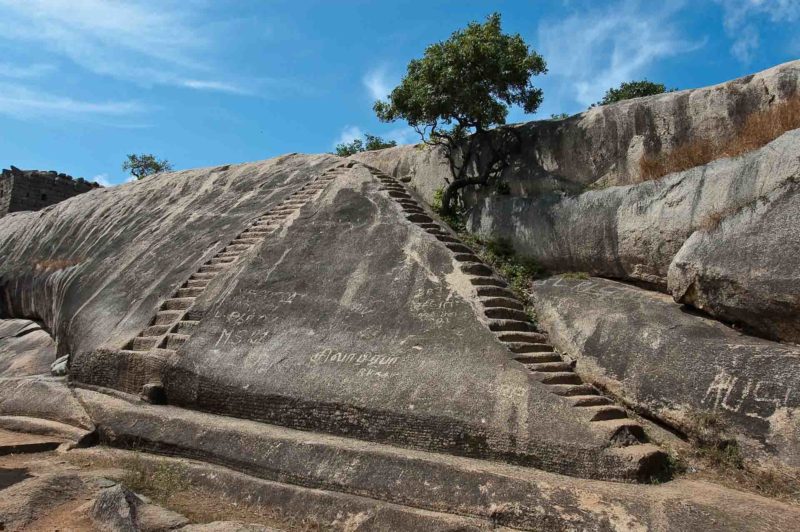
(528, 347)
(502, 302)
(188, 292)
(488, 281)
(164, 317)
(537, 358)
(556, 377)
(511, 325)
(143, 343)
(476, 268)
(502, 313)
(174, 341)
(178, 303)
(533, 338)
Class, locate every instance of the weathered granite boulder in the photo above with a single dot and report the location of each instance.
(634, 232)
(118, 509)
(25, 348)
(115, 510)
(42, 397)
(746, 270)
(603, 145)
(677, 366)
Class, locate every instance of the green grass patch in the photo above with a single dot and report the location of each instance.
(157, 481)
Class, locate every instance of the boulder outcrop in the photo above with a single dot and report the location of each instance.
(305, 328)
(633, 232)
(673, 365)
(745, 268)
(93, 268)
(603, 145)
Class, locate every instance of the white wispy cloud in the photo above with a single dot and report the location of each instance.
(595, 49)
(103, 180)
(219, 86)
(144, 41)
(377, 83)
(22, 102)
(348, 134)
(37, 70)
(402, 135)
(741, 19)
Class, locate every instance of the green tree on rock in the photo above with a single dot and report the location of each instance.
(633, 89)
(145, 164)
(370, 143)
(459, 90)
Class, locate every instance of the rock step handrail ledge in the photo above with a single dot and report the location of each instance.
(503, 312)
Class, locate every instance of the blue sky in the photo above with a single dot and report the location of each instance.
(203, 82)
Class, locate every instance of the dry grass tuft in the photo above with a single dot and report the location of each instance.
(758, 129)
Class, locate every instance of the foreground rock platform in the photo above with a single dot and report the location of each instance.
(333, 479)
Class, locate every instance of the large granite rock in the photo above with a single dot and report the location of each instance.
(677, 366)
(348, 320)
(603, 145)
(633, 232)
(345, 319)
(722, 237)
(746, 270)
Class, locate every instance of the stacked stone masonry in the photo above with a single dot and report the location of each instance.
(32, 190)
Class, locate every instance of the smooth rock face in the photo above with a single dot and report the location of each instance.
(25, 348)
(635, 231)
(352, 320)
(349, 319)
(94, 268)
(747, 269)
(42, 397)
(675, 365)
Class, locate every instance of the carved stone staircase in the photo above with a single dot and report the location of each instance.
(504, 314)
(176, 318)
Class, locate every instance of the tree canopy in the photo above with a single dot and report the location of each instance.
(370, 143)
(145, 164)
(633, 89)
(458, 90)
(469, 81)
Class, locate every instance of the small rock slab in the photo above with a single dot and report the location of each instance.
(19, 443)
